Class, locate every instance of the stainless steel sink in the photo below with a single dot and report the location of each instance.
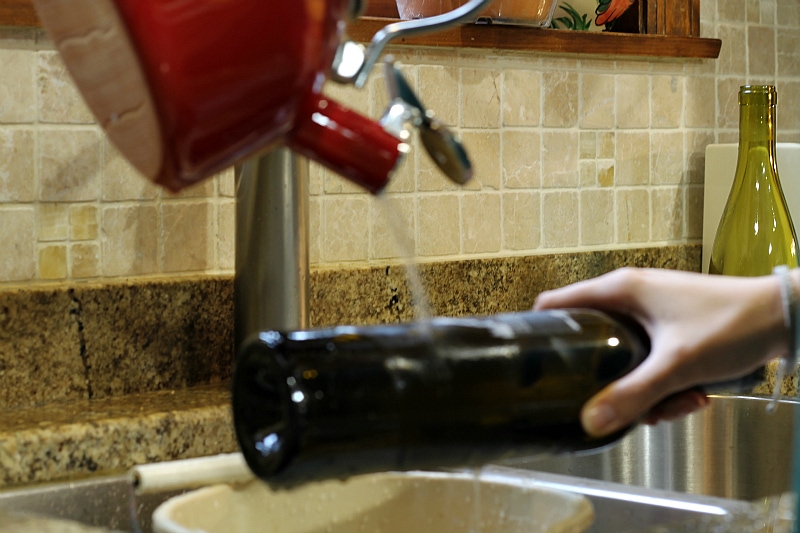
(104, 501)
(732, 449)
(709, 464)
(108, 502)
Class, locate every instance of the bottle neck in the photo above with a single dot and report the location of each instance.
(756, 124)
(757, 150)
(757, 114)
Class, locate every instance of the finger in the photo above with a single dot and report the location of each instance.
(625, 401)
(616, 290)
(677, 406)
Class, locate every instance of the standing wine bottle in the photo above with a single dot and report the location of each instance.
(756, 232)
(444, 392)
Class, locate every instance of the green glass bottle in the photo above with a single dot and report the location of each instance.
(756, 232)
(444, 392)
(439, 393)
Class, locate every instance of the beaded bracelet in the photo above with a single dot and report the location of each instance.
(790, 300)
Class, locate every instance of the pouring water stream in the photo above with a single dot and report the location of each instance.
(422, 312)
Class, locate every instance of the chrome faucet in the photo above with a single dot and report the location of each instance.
(271, 283)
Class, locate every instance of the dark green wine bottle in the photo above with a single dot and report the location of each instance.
(755, 233)
(446, 392)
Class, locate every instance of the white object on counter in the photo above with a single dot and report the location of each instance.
(720, 169)
(386, 502)
(190, 473)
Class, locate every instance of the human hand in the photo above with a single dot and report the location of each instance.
(703, 329)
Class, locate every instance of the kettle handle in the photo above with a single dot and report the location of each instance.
(408, 28)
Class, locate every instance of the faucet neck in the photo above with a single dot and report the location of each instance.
(271, 284)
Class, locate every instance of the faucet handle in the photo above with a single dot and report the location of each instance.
(442, 145)
(353, 62)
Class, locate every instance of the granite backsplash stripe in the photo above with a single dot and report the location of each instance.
(94, 341)
(40, 343)
(471, 287)
(91, 341)
(156, 335)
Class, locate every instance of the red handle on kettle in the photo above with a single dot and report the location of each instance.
(346, 142)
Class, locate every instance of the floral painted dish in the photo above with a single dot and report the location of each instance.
(589, 15)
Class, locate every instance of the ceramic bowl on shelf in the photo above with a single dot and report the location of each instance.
(417, 9)
(520, 12)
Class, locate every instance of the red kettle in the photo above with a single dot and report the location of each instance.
(186, 88)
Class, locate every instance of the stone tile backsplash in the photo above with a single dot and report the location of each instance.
(571, 153)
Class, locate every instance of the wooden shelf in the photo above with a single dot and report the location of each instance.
(495, 36)
(21, 13)
(18, 13)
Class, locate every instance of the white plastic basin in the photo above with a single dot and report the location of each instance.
(379, 503)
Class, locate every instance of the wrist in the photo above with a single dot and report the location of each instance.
(790, 304)
(789, 281)
(794, 275)
(794, 278)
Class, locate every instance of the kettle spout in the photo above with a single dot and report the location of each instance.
(348, 143)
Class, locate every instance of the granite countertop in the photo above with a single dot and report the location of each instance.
(789, 386)
(99, 378)
(80, 437)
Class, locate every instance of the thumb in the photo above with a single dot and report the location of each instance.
(599, 417)
(625, 401)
